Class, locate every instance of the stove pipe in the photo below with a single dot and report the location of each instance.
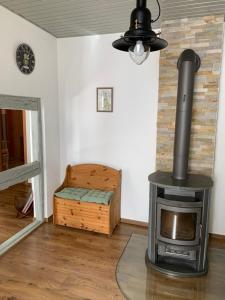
(188, 64)
(141, 3)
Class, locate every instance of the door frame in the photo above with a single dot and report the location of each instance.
(30, 170)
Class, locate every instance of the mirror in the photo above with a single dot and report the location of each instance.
(21, 170)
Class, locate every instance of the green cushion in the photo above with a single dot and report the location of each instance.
(72, 193)
(97, 196)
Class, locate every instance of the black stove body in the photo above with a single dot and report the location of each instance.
(179, 202)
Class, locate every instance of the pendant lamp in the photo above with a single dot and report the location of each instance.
(140, 39)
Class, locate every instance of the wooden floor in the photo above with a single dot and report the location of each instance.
(58, 263)
(9, 223)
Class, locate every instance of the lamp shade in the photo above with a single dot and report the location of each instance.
(140, 31)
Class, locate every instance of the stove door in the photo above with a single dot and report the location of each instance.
(178, 225)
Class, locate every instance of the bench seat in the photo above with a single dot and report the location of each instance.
(86, 195)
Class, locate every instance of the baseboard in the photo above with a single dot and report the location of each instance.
(133, 222)
(215, 240)
(49, 219)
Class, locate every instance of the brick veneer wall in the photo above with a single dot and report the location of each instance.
(205, 36)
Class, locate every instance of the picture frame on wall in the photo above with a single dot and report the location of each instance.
(104, 99)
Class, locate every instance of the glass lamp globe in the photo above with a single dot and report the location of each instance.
(139, 53)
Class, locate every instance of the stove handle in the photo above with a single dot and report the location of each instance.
(201, 232)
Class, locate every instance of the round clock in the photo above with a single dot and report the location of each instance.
(25, 59)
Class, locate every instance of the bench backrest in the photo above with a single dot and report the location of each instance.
(93, 176)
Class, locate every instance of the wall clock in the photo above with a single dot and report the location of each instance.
(25, 59)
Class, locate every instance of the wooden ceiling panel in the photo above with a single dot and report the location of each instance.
(68, 18)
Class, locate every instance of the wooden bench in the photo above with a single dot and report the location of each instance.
(85, 215)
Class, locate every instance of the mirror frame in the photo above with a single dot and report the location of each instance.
(27, 171)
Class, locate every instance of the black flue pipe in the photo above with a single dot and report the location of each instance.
(188, 64)
(141, 3)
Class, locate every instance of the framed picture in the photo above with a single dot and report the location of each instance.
(105, 99)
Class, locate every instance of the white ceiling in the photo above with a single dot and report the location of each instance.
(192, 8)
(68, 18)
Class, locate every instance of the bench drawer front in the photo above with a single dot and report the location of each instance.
(82, 215)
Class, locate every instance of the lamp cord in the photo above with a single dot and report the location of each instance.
(153, 21)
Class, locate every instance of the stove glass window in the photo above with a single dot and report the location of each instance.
(178, 225)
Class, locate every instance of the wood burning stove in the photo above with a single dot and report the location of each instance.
(178, 229)
(179, 203)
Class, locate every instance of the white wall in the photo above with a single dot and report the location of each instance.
(218, 201)
(123, 139)
(41, 83)
(126, 138)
